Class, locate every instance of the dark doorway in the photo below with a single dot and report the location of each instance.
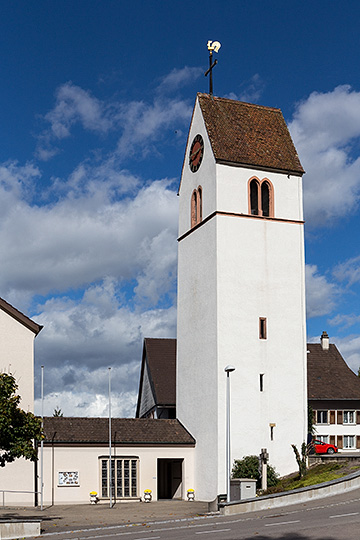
(169, 474)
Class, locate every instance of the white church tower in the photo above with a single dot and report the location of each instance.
(241, 291)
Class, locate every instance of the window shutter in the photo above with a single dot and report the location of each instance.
(332, 418)
(339, 441)
(339, 417)
(357, 442)
(358, 417)
(332, 438)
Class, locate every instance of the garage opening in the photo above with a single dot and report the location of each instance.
(169, 475)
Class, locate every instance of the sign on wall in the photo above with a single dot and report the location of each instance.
(70, 478)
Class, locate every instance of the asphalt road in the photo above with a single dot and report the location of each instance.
(333, 518)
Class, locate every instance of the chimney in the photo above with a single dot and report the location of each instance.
(324, 341)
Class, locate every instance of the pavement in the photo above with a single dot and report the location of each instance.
(61, 518)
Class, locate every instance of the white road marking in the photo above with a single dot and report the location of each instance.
(148, 538)
(345, 515)
(281, 523)
(216, 531)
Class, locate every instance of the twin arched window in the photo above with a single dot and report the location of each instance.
(261, 199)
(196, 206)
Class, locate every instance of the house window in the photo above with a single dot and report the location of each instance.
(124, 474)
(321, 417)
(323, 438)
(196, 206)
(261, 197)
(262, 328)
(261, 382)
(349, 441)
(349, 417)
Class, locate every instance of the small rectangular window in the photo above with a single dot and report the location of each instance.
(262, 328)
(349, 441)
(321, 417)
(349, 417)
(261, 382)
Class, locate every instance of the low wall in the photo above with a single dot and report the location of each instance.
(19, 529)
(301, 495)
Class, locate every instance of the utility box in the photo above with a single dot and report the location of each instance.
(242, 488)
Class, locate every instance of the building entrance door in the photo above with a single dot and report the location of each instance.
(169, 475)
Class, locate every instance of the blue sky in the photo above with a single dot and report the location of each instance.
(95, 104)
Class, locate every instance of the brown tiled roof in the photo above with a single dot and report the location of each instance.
(329, 377)
(20, 317)
(246, 134)
(161, 356)
(125, 431)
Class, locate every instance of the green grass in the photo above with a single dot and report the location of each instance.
(315, 475)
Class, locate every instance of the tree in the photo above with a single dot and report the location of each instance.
(302, 460)
(18, 429)
(248, 467)
(57, 412)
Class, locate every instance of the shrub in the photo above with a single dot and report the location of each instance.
(248, 467)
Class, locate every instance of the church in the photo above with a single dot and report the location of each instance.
(241, 302)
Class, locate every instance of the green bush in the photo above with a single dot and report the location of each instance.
(248, 467)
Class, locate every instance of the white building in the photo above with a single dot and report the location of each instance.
(334, 395)
(241, 290)
(17, 334)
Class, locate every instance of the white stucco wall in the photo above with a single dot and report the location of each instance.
(17, 357)
(85, 460)
(17, 477)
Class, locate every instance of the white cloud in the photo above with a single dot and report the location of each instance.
(179, 77)
(250, 90)
(324, 128)
(123, 404)
(350, 349)
(143, 123)
(87, 235)
(82, 338)
(73, 104)
(320, 293)
(345, 321)
(348, 271)
(136, 123)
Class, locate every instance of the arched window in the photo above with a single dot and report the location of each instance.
(261, 197)
(199, 201)
(265, 199)
(254, 197)
(196, 206)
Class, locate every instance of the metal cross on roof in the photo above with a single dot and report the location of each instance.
(212, 46)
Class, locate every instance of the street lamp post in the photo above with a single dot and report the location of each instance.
(228, 370)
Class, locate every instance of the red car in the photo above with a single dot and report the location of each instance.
(324, 448)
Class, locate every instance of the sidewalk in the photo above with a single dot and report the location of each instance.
(73, 517)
